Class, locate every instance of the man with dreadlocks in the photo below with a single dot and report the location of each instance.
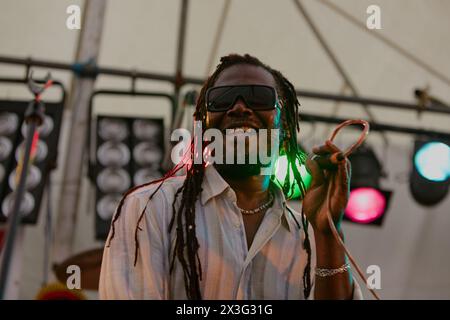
(225, 231)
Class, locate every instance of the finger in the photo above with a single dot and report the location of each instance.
(332, 146)
(326, 148)
(321, 150)
(342, 184)
(316, 172)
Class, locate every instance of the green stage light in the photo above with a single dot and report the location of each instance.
(281, 170)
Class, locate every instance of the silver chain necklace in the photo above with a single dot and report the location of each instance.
(260, 208)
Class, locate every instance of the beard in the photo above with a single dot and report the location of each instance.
(240, 163)
(241, 171)
(238, 171)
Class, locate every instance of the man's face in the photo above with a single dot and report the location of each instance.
(240, 115)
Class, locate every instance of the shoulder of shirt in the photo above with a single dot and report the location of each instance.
(168, 186)
(136, 200)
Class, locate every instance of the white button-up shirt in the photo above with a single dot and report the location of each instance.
(271, 269)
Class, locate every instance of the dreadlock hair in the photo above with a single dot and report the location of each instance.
(186, 243)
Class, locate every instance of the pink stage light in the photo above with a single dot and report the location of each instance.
(365, 205)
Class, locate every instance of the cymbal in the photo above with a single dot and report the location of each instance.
(89, 261)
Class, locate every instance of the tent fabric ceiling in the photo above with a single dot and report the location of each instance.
(143, 34)
(275, 32)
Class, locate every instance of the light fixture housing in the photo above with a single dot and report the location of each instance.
(129, 152)
(430, 173)
(13, 129)
(368, 203)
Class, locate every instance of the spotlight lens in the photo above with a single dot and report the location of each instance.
(432, 161)
(113, 154)
(44, 129)
(107, 206)
(146, 129)
(5, 148)
(113, 180)
(41, 151)
(112, 129)
(365, 205)
(33, 178)
(281, 167)
(26, 206)
(9, 123)
(147, 153)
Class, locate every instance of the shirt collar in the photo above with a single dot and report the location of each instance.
(214, 185)
(279, 208)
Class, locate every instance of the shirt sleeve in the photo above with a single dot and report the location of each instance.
(120, 278)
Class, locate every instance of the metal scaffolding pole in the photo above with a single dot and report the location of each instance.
(378, 126)
(88, 49)
(85, 70)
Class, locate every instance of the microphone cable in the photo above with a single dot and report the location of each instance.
(335, 159)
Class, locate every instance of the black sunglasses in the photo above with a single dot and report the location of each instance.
(256, 97)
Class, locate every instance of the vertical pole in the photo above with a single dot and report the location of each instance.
(12, 289)
(180, 50)
(13, 222)
(82, 88)
(177, 111)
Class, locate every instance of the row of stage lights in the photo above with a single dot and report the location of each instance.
(129, 152)
(13, 130)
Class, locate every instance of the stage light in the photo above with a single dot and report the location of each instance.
(5, 148)
(112, 129)
(41, 151)
(146, 153)
(129, 151)
(9, 123)
(44, 129)
(107, 205)
(12, 133)
(113, 154)
(146, 130)
(113, 180)
(27, 205)
(33, 179)
(281, 173)
(367, 203)
(432, 161)
(430, 174)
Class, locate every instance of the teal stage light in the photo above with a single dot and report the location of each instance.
(430, 174)
(432, 161)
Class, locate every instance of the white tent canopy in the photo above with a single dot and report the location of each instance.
(412, 246)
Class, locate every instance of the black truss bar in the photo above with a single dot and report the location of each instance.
(87, 70)
(378, 127)
(370, 101)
